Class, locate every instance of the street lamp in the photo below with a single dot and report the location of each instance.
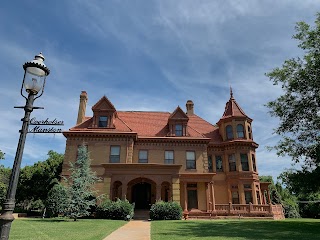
(33, 83)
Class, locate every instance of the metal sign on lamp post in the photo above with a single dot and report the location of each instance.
(35, 73)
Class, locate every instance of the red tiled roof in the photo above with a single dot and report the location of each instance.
(153, 124)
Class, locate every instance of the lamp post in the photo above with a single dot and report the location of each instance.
(33, 83)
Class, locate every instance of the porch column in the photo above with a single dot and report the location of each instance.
(213, 198)
(254, 194)
(158, 191)
(208, 197)
(268, 194)
(185, 196)
(124, 187)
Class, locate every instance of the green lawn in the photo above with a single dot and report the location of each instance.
(236, 229)
(43, 229)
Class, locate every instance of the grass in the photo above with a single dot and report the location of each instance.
(236, 229)
(45, 229)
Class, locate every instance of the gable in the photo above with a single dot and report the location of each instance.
(103, 105)
(178, 114)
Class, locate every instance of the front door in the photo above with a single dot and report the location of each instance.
(141, 195)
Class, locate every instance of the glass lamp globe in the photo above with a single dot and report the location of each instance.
(35, 75)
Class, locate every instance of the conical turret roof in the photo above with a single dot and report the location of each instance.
(233, 109)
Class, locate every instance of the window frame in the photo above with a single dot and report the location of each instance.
(194, 165)
(210, 163)
(100, 122)
(216, 160)
(229, 132)
(179, 131)
(244, 163)
(112, 156)
(240, 131)
(143, 160)
(168, 160)
(254, 164)
(234, 162)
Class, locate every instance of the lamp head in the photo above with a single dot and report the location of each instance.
(35, 75)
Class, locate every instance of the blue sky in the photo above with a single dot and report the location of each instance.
(147, 55)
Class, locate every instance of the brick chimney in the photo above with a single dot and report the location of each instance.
(189, 106)
(82, 107)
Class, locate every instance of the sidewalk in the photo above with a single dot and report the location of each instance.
(133, 230)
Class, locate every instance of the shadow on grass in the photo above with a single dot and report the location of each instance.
(274, 230)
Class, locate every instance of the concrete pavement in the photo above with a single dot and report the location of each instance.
(133, 230)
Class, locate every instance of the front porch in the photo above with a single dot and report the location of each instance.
(238, 211)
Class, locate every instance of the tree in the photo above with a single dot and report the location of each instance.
(4, 180)
(57, 202)
(299, 107)
(36, 181)
(1, 155)
(304, 184)
(80, 191)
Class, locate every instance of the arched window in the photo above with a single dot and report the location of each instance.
(240, 131)
(229, 132)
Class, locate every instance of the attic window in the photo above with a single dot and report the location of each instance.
(178, 130)
(103, 121)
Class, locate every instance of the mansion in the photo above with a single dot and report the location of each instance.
(209, 169)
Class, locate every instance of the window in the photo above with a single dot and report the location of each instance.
(191, 160)
(249, 132)
(169, 157)
(219, 167)
(240, 131)
(143, 156)
(210, 167)
(114, 154)
(232, 163)
(178, 130)
(103, 121)
(244, 162)
(248, 196)
(229, 132)
(247, 193)
(254, 162)
(235, 197)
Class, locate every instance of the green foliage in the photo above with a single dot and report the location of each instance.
(288, 201)
(4, 181)
(36, 181)
(299, 107)
(57, 201)
(80, 186)
(118, 210)
(304, 184)
(274, 195)
(165, 211)
(2, 155)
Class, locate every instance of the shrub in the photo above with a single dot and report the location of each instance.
(118, 210)
(166, 211)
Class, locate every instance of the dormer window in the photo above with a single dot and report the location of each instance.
(103, 121)
(177, 123)
(178, 130)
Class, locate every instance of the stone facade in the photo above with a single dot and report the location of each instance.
(210, 170)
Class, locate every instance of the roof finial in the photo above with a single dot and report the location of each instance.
(231, 93)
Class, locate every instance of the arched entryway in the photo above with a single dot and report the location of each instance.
(142, 192)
